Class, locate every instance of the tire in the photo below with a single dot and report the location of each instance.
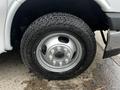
(57, 23)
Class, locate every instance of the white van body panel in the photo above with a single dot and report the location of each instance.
(8, 9)
(109, 5)
(104, 5)
(3, 13)
(9, 19)
(115, 5)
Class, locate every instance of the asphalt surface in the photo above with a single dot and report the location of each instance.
(104, 74)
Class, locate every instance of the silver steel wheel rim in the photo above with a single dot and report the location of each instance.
(59, 52)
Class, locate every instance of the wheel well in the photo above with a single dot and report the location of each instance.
(88, 10)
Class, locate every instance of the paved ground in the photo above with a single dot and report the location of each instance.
(12, 72)
(102, 75)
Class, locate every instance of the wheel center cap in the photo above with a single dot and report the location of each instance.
(59, 55)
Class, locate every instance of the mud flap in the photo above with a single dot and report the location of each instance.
(113, 44)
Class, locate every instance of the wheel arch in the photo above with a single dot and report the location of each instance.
(9, 20)
(32, 9)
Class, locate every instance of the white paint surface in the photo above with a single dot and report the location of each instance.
(3, 11)
(115, 5)
(109, 5)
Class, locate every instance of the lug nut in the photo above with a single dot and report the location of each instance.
(50, 57)
(59, 48)
(66, 60)
(54, 62)
(68, 55)
(65, 49)
(52, 51)
(60, 63)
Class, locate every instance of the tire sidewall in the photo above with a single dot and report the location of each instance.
(29, 50)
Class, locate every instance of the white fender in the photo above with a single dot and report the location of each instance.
(11, 13)
(104, 5)
(3, 11)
